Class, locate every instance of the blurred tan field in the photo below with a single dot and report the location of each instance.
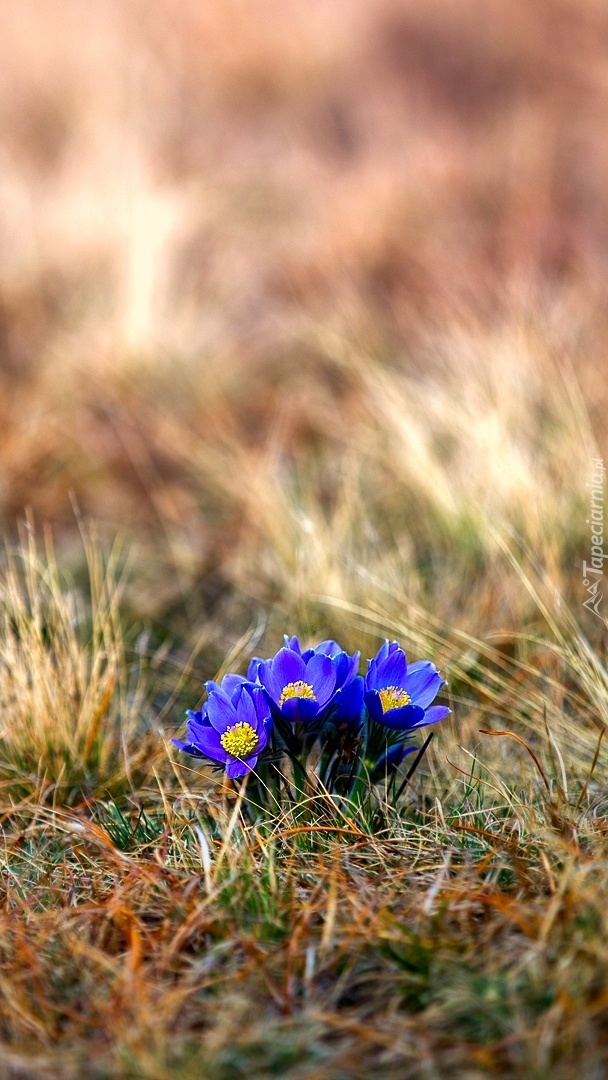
(303, 327)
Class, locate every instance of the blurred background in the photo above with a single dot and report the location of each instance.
(306, 300)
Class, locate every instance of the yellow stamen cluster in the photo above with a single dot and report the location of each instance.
(240, 740)
(392, 697)
(297, 689)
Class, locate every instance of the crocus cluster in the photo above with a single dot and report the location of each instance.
(361, 725)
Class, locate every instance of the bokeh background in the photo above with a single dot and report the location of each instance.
(306, 301)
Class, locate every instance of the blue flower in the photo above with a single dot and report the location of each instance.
(399, 696)
(346, 666)
(299, 686)
(390, 760)
(347, 706)
(232, 728)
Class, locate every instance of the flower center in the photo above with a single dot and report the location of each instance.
(392, 697)
(240, 740)
(297, 689)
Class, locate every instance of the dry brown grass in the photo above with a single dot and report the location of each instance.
(306, 303)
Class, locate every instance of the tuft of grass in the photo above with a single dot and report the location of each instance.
(76, 717)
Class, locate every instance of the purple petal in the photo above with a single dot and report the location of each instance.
(286, 667)
(263, 733)
(299, 710)
(238, 767)
(395, 754)
(187, 748)
(433, 715)
(382, 653)
(418, 665)
(329, 648)
(346, 667)
(207, 740)
(293, 644)
(391, 672)
(252, 670)
(374, 705)
(371, 675)
(377, 667)
(220, 710)
(423, 686)
(198, 716)
(320, 673)
(245, 711)
(197, 731)
(387, 649)
(262, 708)
(349, 701)
(232, 683)
(213, 687)
(403, 719)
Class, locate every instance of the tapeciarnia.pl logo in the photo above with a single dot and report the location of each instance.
(593, 571)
